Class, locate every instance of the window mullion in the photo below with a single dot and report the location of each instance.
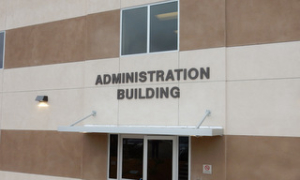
(148, 29)
(2, 49)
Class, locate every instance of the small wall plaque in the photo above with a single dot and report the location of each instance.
(207, 169)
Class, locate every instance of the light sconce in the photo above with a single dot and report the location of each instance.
(43, 101)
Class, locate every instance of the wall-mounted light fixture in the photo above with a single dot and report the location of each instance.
(43, 101)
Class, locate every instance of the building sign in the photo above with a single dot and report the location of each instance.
(152, 76)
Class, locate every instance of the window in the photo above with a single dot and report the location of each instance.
(2, 45)
(113, 158)
(152, 28)
(183, 158)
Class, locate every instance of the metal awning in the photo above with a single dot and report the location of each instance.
(148, 130)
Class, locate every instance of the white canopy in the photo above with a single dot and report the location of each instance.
(149, 130)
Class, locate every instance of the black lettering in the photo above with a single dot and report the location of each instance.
(149, 93)
(175, 92)
(135, 93)
(127, 94)
(143, 77)
(164, 92)
(140, 94)
(106, 78)
(116, 79)
(123, 78)
(184, 74)
(151, 75)
(129, 77)
(160, 75)
(136, 77)
(178, 71)
(170, 75)
(205, 73)
(120, 94)
(98, 80)
(192, 75)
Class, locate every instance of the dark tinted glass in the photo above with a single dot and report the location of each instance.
(113, 158)
(160, 160)
(183, 159)
(163, 27)
(132, 166)
(1, 49)
(134, 31)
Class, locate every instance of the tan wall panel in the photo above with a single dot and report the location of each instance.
(95, 156)
(24, 13)
(264, 61)
(3, 8)
(196, 98)
(131, 3)
(198, 95)
(262, 21)
(150, 62)
(1, 110)
(18, 47)
(97, 67)
(148, 111)
(103, 35)
(59, 42)
(101, 98)
(8, 175)
(1, 95)
(262, 158)
(21, 111)
(202, 24)
(56, 42)
(95, 6)
(104, 102)
(214, 58)
(266, 108)
(74, 155)
(208, 150)
(1, 80)
(58, 76)
(41, 152)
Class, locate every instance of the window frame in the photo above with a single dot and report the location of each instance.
(148, 27)
(3, 57)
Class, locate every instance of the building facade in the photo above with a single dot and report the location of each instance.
(150, 89)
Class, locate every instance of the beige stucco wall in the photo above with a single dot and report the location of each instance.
(57, 48)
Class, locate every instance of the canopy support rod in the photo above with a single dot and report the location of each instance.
(93, 114)
(207, 113)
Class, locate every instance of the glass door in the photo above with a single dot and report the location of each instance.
(160, 161)
(148, 158)
(132, 157)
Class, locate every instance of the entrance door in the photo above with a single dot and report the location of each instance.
(132, 157)
(160, 160)
(148, 158)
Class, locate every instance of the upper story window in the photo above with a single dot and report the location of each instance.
(151, 28)
(2, 45)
